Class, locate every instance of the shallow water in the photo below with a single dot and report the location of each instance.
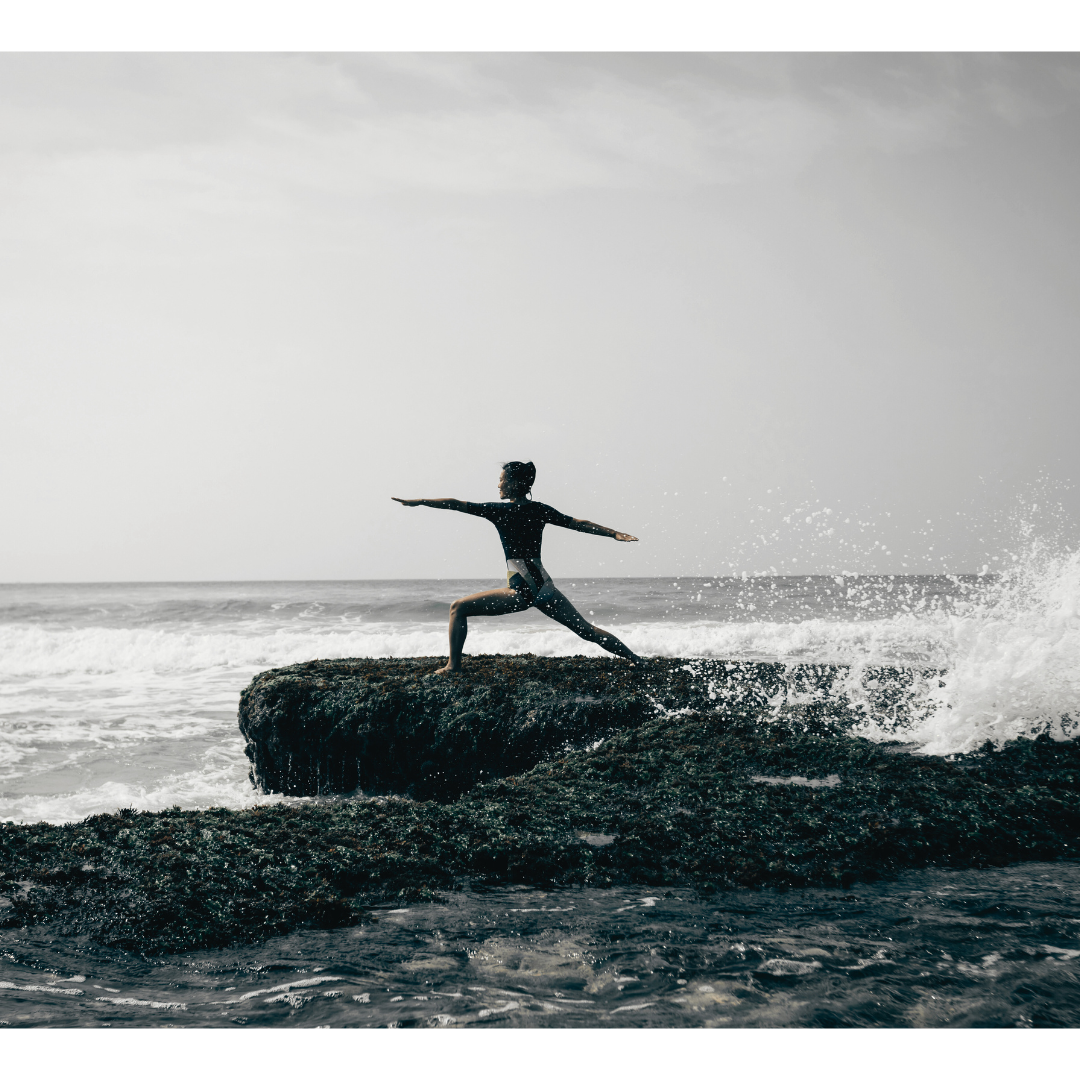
(933, 948)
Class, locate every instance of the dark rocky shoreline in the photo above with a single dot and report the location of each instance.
(666, 799)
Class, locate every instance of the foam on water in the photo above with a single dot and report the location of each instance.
(1012, 658)
(220, 779)
(30, 653)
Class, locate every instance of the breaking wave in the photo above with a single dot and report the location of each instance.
(1012, 665)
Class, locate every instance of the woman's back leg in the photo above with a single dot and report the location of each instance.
(557, 607)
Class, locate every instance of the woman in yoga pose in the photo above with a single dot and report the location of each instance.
(521, 522)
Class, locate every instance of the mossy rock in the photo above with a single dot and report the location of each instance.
(394, 727)
(679, 796)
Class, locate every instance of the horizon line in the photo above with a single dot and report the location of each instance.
(749, 576)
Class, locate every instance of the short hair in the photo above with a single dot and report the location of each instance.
(522, 473)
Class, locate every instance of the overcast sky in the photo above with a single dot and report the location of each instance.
(244, 299)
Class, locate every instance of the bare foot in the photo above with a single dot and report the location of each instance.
(447, 670)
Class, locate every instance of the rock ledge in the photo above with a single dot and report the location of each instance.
(392, 727)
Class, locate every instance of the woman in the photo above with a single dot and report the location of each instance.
(521, 522)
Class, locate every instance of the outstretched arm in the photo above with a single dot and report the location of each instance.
(581, 525)
(438, 504)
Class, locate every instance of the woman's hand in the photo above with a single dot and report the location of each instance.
(626, 537)
(408, 502)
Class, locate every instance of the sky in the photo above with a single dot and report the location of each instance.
(767, 312)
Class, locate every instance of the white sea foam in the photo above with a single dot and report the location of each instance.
(1013, 662)
(223, 784)
(29, 652)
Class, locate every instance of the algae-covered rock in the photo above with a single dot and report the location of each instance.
(666, 773)
(392, 726)
(679, 799)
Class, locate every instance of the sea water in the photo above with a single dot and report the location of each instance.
(125, 695)
(962, 948)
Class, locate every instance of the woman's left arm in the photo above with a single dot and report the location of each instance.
(581, 525)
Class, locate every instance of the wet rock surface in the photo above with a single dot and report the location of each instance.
(675, 799)
(394, 727)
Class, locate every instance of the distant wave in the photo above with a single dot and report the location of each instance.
(31, 651)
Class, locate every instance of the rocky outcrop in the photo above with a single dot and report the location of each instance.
(393, 727)
(706, 774)
(709, 800)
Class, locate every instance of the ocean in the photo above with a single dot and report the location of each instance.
(125, 695)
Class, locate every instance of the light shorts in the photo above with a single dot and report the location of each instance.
(532, 581)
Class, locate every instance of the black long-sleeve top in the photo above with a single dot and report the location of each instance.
(520, 524)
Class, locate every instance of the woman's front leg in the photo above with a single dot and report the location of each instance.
(493, 602)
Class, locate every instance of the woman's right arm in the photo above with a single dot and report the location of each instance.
(438, 504)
